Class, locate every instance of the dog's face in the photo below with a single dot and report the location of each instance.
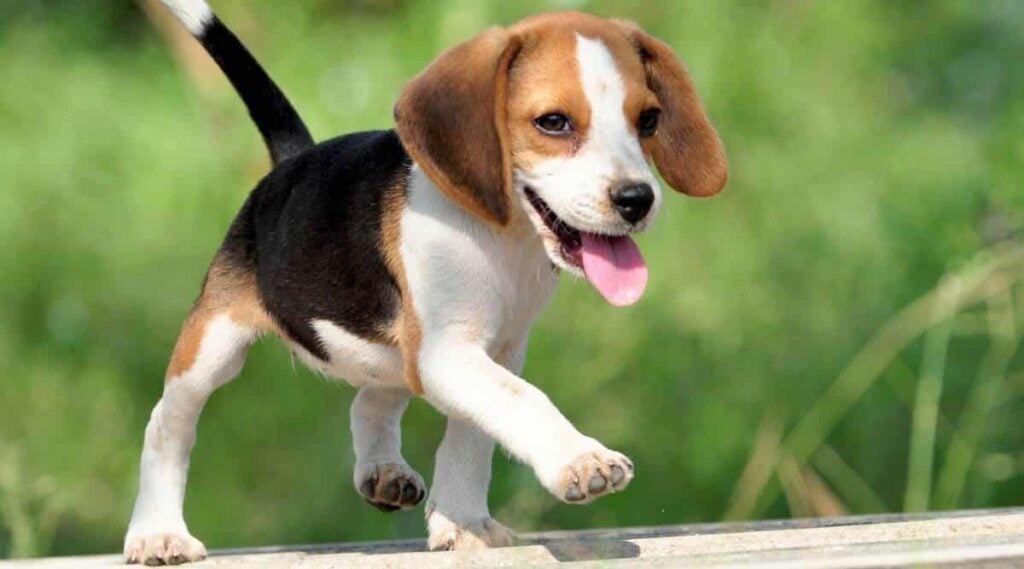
(558, 119)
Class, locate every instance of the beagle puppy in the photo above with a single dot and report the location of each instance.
(413, 261)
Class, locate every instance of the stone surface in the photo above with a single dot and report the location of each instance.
(990, 537)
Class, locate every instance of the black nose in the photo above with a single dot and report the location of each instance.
(633, 200)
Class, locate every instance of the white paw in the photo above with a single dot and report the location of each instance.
(390, 486)
(163, 549)
(592, 475)
(482, 533)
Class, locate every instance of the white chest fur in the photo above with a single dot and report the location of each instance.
(470, 280)
(466, 278)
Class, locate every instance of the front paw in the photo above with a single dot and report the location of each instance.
(163, 549)
(482, 533)
(390, 486)
(592, 475)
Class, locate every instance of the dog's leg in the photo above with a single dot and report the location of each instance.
(209, 353)
(381, 475)
(462, 381)
(457, 514)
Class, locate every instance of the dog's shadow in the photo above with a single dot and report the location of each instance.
(587, 549)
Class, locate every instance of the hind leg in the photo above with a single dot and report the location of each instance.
(381, 475)
(157, 533)
(209, 353)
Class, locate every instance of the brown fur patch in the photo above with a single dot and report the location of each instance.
(226, 290)
(406, 330)
(467, 119)
(639, 96)
(686, 148)
(187, 347)
(452, 120)
(512, 386)
(544, 80)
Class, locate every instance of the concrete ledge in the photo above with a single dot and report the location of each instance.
(989, 537)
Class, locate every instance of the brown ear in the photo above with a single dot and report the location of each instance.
(686, 148)
(452, 120)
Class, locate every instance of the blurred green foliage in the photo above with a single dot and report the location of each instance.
(875, 146)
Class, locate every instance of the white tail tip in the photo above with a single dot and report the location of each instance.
(195, 15)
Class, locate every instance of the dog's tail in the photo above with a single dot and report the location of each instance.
(283, 130)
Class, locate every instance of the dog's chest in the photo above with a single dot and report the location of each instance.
(465, 278)
(468, 279)
(532, 281)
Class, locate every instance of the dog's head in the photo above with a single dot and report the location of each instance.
(558, 118)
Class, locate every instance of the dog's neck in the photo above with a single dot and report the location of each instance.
(518, 233)
(513, 253)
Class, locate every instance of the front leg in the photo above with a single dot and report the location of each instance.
(457, 513)
(462, 381)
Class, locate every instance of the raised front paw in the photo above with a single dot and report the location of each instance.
(390, 486)
(592, 475)
(163, 549)
(482, 533)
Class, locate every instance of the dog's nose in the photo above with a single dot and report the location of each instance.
(633, 200)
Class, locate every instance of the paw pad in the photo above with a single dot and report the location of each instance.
(593, 475)
(390, 487)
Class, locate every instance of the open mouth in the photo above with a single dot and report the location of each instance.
(611, 263)
(570, 239)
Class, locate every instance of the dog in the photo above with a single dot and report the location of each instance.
(413, 261)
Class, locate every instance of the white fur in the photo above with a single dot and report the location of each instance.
(376, 418)
(462, 476)
(458, 496)
(476, 292)
(195, 15)
(354, 359)
(376, 425)
(468, 280)
(157, 520)
(577, 188)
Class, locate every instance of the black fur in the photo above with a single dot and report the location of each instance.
(311, 230)
(283, 130)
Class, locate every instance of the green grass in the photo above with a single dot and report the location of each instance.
(875, 150)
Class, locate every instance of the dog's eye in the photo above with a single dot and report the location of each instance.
(647, 124)
(555, 124)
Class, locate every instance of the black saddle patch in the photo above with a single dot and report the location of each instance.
(312, 232)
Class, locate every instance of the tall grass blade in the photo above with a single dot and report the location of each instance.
(926, 405)
(985, 276)
(983, 399)
(850, 485)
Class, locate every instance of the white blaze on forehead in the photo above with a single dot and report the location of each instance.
(577, 187)
(606, 92)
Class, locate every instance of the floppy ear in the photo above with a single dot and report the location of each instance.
(686, 148)
(452, 119)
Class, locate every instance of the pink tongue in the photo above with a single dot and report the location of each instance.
(615, 267)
